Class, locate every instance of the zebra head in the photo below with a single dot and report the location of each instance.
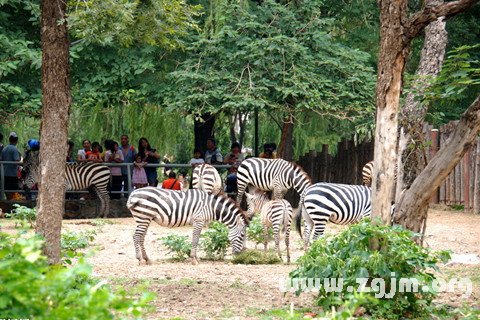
(255, 202)
(237, 233)
(30, 170)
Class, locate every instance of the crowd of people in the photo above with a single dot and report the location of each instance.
(112, 153)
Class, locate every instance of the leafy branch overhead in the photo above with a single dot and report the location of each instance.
(275, 57)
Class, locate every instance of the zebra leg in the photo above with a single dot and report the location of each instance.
(318, 229)
(276, 233)
(287, 239)
(306, 237)
(240, 191)
(102, 195)
(139, 240)
(197, 229)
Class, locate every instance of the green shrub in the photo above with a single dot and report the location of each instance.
(255, 231)
(251, 256)
(31, 289)
(180, 246)
(73, 241)
(24, 215)
(215, 241)
(348, 256)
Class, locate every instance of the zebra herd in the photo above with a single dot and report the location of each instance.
(319, 203)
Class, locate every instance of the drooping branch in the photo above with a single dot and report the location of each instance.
(421, 19)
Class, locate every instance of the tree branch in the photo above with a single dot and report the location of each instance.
(422, 18)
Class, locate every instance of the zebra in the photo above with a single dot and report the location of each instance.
(205, 177)
(274, 213)
(79, 176)
(275, 175)
(367, 174)
(337, 203)
(172, 208)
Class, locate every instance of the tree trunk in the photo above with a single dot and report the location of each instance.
(411, 148)
(54, 125)
(232, 122)
(203, 129)
(409, 211)
(396, 33)
(285, 149)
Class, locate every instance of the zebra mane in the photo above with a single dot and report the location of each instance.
(245, 217)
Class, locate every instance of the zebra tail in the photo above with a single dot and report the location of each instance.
(298, 216)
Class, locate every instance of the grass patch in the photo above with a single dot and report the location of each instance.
(251, 256)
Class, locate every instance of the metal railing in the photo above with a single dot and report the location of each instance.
(129, 174)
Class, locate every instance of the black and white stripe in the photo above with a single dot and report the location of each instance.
(93, 177)
(171, 208)
(274, 214)
(337, 203)
(275, 175)
(205, 177)
(367, 174)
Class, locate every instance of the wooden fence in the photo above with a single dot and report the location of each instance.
(461, 187)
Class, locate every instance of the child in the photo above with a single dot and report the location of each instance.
(197, 158)
(139, 177)
(94, 154)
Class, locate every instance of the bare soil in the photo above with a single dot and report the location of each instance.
(220, 289)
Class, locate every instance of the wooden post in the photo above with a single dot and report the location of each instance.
(476, 187)
(466, 181)
(325, 165)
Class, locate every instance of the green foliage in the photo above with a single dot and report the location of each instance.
(180, 246)
(73, 241)
(251, 256)
(24, 215)
(255, 231)
(215, 241)
(348, 256)
(30, 288)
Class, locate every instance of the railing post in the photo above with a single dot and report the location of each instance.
(2, 182)
(129, 179)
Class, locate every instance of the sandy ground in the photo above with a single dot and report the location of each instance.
(225, 290)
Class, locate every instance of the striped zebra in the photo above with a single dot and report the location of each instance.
(337, 203)
(274, 214)
(93, 177)
(367, 174)
(205, 177)
(275, 175)
(171, 208)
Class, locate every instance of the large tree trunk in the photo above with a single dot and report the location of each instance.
(53, 132)
(411, 147)
(285, 149)
(203, 129)
(396, 34)
(409, 211)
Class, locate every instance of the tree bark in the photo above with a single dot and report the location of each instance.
(285, 149)
(409, 211)
(203, 129)
(56, 102)
(396, 33)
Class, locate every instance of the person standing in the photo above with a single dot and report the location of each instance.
(129, 156)
(149, 155)
(172, 182)
(11, 153)
(82, 153)
(114, 155)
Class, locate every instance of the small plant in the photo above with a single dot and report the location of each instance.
(215, 241)
(32, 289)
(255, 231)
(251, 256)
(23, 215)
(73, 241)
(180, 246)
(100, 222)
(348, 257)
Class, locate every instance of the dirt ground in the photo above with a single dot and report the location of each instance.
(213, 290)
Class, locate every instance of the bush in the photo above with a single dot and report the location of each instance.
(24, 215)
(30, 288)
(251, 256)
(73, 241)
(180, 246)
(348, 256)
(215, 241)
(255, 231)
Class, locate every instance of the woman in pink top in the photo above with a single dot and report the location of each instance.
(114, 155)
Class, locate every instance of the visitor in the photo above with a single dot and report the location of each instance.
(269, 151)
(113, 155)
(213, 155)
(172, 182)
(235, 156)
(94, 154)
(1, 145)
(11, 153)
(70, 159)
(149, 155)
(139, 176)
(82, 153)
(129, 155)
(197, 158)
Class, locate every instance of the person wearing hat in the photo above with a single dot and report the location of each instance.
(11, 153)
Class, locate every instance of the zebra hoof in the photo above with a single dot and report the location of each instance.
(194, 261)
(143, 262)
